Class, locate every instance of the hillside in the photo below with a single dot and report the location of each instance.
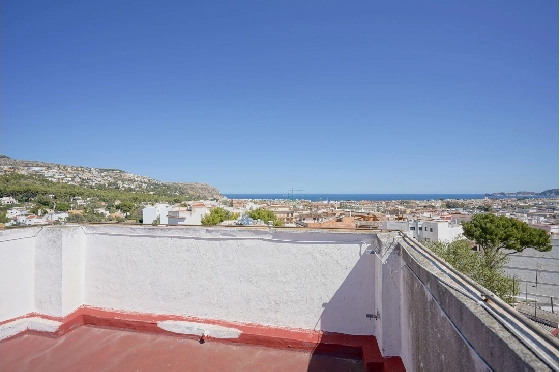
(195, 188)
(547, 193)
(101, 179)
(551, 192)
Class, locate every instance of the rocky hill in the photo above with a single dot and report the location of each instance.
(100, 178)
(196, 188)
(551, 193)
(547, 193)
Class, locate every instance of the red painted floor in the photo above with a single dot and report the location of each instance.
(99, 349)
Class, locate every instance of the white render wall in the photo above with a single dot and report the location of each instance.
(307, 280)
(151, 213)
(193, 217)
(320, 281)
(59, 270)
(17, 273)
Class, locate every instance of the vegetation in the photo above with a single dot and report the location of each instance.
(454, 204)
(216, 216)
(88, 215)
(63, 206)
(485, 208)
(494, 234)
(126, 207)
(3, 218)
(459, 254)
(26, 188)
(264, 215)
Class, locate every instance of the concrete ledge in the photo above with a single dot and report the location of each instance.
(483, 335)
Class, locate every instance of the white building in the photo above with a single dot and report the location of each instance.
(8, 200)
(190, 215)
(152, 213)
(55, 216)
(30, 219)
(430, 230)
(14, 212)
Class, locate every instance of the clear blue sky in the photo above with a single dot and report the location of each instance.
(261, 96)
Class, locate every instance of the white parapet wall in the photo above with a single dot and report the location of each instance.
(17, 272)
(307, 280)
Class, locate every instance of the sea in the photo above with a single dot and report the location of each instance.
(359, 197)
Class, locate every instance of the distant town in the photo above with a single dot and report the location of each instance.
(431, 220)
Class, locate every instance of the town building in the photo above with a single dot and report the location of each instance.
(428, 230)
(157, 213)
(8, 200)
(190, 215)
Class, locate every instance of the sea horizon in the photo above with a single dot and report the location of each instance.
(369, 197)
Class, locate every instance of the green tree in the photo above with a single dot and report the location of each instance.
(126, 207)
(75, 217)
(63, 207)
(36, 209)
(3, 217)
(264, 215)
(45, 202)
(494, 234)
(459, 254)
(216, 216)
(486, 208)
(454, 204)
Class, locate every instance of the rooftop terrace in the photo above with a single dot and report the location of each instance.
(248, 299)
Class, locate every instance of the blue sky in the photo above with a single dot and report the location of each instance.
(262, 96)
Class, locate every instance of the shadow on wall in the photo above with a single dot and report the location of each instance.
(344, 315)
(348, 324)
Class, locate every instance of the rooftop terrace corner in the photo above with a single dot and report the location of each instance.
(377, 295)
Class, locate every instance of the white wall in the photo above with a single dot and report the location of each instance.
(449, 233)
(441, 230)
(193, 217)
(17, 250)
(149, 215)
(297, 280)
(59, 270)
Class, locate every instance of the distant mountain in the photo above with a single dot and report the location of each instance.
(547, 193)
(551, 192)
(196, 188)
(100, 178)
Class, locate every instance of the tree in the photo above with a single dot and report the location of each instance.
(485, 208)
(63, 207)
(36, 209)
(459, 254)
(3, 217)
(75, 217)
(216, 216)
(45, 202)
(497, 233)
(126, 207)
(454, 204)
(264, 215)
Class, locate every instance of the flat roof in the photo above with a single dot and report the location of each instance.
(94, 348)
